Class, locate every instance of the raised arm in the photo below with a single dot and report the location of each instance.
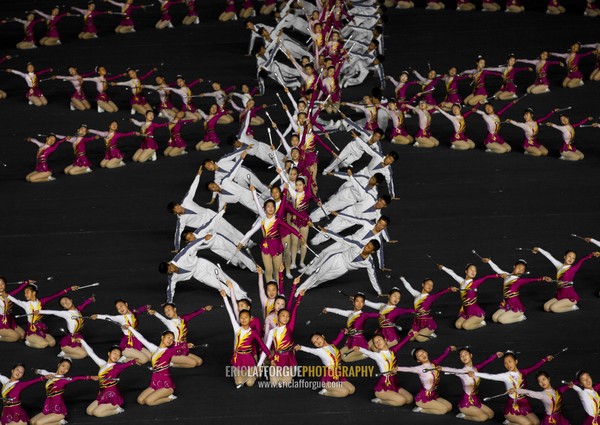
(92, 354)
(549, 256)
(143, 340)
(453, 274)
(409, 288)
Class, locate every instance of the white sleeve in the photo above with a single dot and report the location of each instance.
(339, 312)
(91, 353)
(373, 305)
(409, 288)
(119, 319)
(595, 242)
(163, 319)
(500, 377)
(64, 314)
(232, 318)
(369, 353)
(496, 268)
(550, 258)
(453, 275)
(252, 231)
(20, 303)
(143, 340)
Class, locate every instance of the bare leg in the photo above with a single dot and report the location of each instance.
(102, 410)
(403, 140)
(187, 362)
(9, 335)
(477, 414)
(459, 323)
(497, 315)
(225, 119)
(505, 95)
(573, 83)
(74, 171)
(268, 263)
(142, 355)
(497, 147)
(78, 104)
(334, 390)
(50, 41)
(161, 25)
(76, 353)
(227, 16)
(533, 151)
(35, 341)
(435, 407)
(460, 145)
(474, 322)
(474, 100)
(146, 155)
(522, 420)
(392, 398)
(49, 419)
(26, 45)
(113, 163)
(537, 89)
(562, 306)
(152, 397)
(206, 146)
(424, 142)
(511, 317)
(39, 177)
(405, 4)
(422, 335)
(304, 233)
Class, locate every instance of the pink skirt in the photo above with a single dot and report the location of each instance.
(161, 380)
(556, 419)
(112, 153)
(135, 343)
(55, 405)
(149, 143)
(509, 87)
(110, 395)
(271, 246)
(469, 400)
(300, 221)
(589, 420)
(176, 141)
(423, 133)
(458, 137)
(138, 100)
(453, 98)
(78, 95)
(531, 144)
(357, 341)
(425, 396)
(398, 131)
(575, 74)
(90, 28)
(71, 340)
(188, 107)
(243, 360)
(480, 91)
(387, 383)
(15, 414)
(126, 22)
(512, 304)
(40, 329)
(389, 334)
(425, 322)
(566, 147)
(284, 358)
(520, 408)
(7, 322)
(102, 97)
(330, 377)
(42, 167)
(567, 293)
(211, 136)
(493, 138)
(471, 311)
(82, 161)
(34, 91)
(182, 349)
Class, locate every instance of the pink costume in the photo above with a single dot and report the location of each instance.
(568, 135)
(331, 358)
(422, 304)
(401, 88)
(430, 379)
(185, 93)
(210, 125)
(452, 88)
(370, 112)
(191, 5)
(470, 385)
(565, 274)
(33, 80)
(165, 5)
(74, 321)
(552, 400)
(7, 320)
(492, 122)
(397, 117)
(43, 153)
(459, 124)
(572, 61)
(52, 23)
(513, 3)
(110, 142)
(88, 19)
(591, 403)
(101, 86)
(468, 294)
(243, 344)
(130, 320)
(301, 201)
(386, 361)
(541, 70)
(55, 388)
(161, 362)
(282, 338)
(510, 289)
(108, 377)
(479, 80)
(531, 129)
(283, 208)
(136, 89)
(230, 7)
(271, 243)
(77, 81)
(332, 84)
(126, 11)
(428, 86)
(179, 328)
(508, 77)
(388, 313)
(176, 141)
(354, 326)
(11, 391)
(79, 144)
(164, 92)
(516, 404)
(424, 121)
(35, 325)
(29, 26)
(147, 129)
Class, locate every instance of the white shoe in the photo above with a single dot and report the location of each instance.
(27, 343)
(100, 110)
(153, 157)
(506, 422)
(235, 18)
(132, 29)
(63, 422)
(172, 397)
(483, 323)
(581, 83)
(58, 42)
(30, 102)
(575, 307)
(51, 179)
(88, 170)
(289, 276)
(170, 25)
(71, 107)
(184, 153)
(61, 354)
(323, 392)
(417, 409)
(253, 13)
(122, 164)
(376, 400)
(120, 410)
(461, 416)
(416, 144)
(302, 266)
(547, 90)
(433, 335)
(292, 266)
(196, 21)
(132, 112)
(452, 147)
(523, 318)
(488, 151)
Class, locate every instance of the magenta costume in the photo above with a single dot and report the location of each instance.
(271, 243)
(422, 305)
(452, 88)
(164, 9)
(430, 379)
(541, 70)
(7, 320)
(301, 202)
(176, 141)
(55, 388)
(572, 61)
(191, 4)
(180, 344)
(136, 91)
(283, 209)
(479, 81)
(79, 145)
(147, 131)
(35, 325)
(520, 405)
(72, 340)
(244, 347)
(88, 21)
(110, 143)
(468, 297)
(108, 379)
(161, 361)
(355, 326)
(508, 79)
(283, 340)
(52, 23)
(386, 317)
(12, 410)
(565, 289)
(511, 288)
(473, 399)
(210, 125)
(29, 26)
